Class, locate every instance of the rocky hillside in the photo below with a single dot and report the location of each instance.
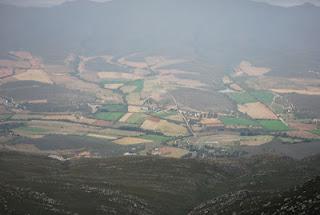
(148, 185)
(303, 199)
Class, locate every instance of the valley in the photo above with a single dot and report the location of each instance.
(137, 103)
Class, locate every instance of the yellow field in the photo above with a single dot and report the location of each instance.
(255, 140)
(165, 127)
(100, 136)
(257, 110)
(128, 89)
(211, 122)
(226, 80)
(307, 91)
(134, 99)
(125, 117)
(131, 141)
(134, 109)
(34, 75)
(235, 87)
(113, 86)
(176, 117)
(172, 152)
(150, 125)
(135, 64)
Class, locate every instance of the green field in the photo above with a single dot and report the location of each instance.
(103, 82)
(238, 121)
(242, 98)
(273, 125)
(137, 118)
(263, 96)
(32, 129)
(109, 116)
(139, 84)
(155, 138)
(317, 132)
(5, 116)
(114, 108)
(164, 114)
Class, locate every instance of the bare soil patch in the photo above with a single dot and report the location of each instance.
(246, 68)
(34, 75)
(131, 141)
(257, 110)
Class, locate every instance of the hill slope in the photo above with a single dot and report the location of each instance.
(137, 185)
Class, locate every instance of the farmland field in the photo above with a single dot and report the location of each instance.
(137, 118)
(273, 125)
(33, 129)
(131, 141)
(159, 107)
(263, 96)
(257, 110)
(242, 98)
(137, 83)
(165, 127)
(317, 131)
(109, 116)
(238, 121)
(34, 75)
(255, 140)
(155, 138)
(114, 108)
(5, 116)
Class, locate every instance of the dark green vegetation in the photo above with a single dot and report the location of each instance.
(273, 125)
(137, 185)
(303, 199)
(238, 121)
